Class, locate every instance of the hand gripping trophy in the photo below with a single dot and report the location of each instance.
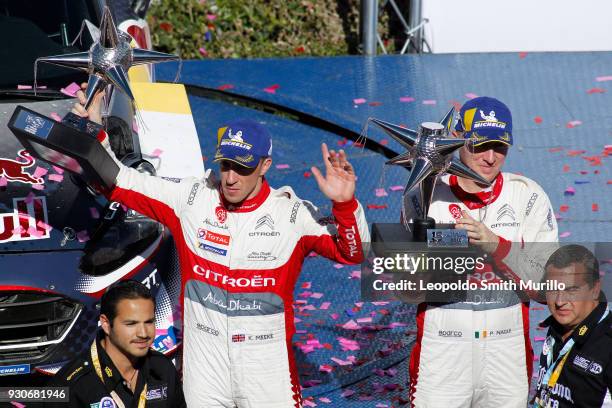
(74, 144)
(429, 155)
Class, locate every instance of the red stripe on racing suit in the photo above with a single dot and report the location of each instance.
(239, 267)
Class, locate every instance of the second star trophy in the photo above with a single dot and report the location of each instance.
(428, 156)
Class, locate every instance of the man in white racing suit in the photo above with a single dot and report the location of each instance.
(241, 245)
(476, 352)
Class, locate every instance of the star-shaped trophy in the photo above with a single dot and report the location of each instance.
(74, 143)
(108, 60)
(429, 155)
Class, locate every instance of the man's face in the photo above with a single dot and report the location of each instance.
(133, 329)
(571, 306)
(486, 159)
(239, 183)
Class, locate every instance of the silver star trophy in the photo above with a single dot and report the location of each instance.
(108, 60)
(429, 155)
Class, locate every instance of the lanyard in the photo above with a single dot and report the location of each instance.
(553, 370)
(96, 363)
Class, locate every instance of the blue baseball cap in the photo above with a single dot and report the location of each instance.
(485, 120)
(244, 142)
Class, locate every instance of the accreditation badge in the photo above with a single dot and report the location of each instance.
(543, 401)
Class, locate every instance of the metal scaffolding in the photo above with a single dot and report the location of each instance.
(415, 41)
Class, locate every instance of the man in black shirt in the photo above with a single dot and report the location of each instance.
(120, 370)
(576, 359)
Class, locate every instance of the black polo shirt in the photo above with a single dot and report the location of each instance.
(87, 390)
(586, 377)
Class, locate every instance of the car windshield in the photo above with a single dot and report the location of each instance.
(33, 28)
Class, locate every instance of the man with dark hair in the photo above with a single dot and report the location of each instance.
(241, 245)
(576, 359)
(120, 369)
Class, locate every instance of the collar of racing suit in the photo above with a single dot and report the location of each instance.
(250, 204)
(474, 201)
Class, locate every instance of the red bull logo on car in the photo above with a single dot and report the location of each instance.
(14, 170)
(27, 221)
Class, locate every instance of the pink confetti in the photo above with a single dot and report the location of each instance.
(351, 325)
(308, 403)
(94, 213)
(282, 166)
(38, 187)
(364, 320)
(35, 232)
(396, 188)
(565, 234)
(44, 226)
(71, 89)
(470, 95)
(348, 345)
(325, 305)
(539, 338)
(83, 236)
(211, 17)
(380, 192)
(341, 362)
(338, 266)
(429, 102)
(157, 152)
(334, 316)
(355, 275)
(58, 170)
(23, 87)
(203, 51)
(569, 191)
(347, 393)
(316, 295)
(604, 78)
(3, 181)
(39, 172)
(573, 124)
(325, 400)
(406, 99)
(272, 89)
(56, 177)
(359, 101)
(18, 404)
(55, 117)
(18, 231)
(306, 348)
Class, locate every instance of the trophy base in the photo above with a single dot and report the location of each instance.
(390, 237)
(420, 227)
(394, 241)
